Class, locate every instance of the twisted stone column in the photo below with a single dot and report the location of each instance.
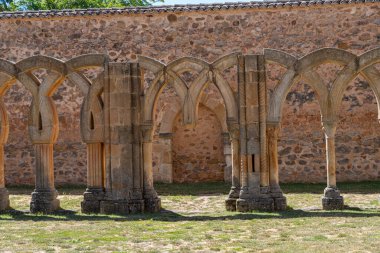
(273, 130)
(95, 178)
(331, 199)
(152, 201)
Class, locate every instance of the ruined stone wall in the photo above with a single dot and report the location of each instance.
(207, 35)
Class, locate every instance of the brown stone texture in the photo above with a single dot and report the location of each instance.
(205, 35)
(198, 152)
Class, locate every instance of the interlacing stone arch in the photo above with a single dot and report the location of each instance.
(120, 129)
(8, 74)
(329, 99)
(43, 119)
(189, 94)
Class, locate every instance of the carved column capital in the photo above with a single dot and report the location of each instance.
(273, 130)
(147, 132)
(234, 130)
(329, 128)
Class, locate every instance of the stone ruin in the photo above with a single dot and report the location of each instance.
(117, 123)
(118, 117)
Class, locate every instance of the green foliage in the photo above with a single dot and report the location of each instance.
(7, 5)
(11, 5)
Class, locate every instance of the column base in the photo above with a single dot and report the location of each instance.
(255, 204)
(121, 206)
(232, 197)
(91, 200)
(4, 199)
(152, 205)
(280, 203)
(44, 201)
(332, 199)
(278, 197)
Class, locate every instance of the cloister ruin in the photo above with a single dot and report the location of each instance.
(121, 97)
(117, 123)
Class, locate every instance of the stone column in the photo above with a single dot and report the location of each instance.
(235, 180)
(44, 197)
(152, 202)
(95, 178)
(273, 130)
(331, 199)
(4, 130)
(4, 196)
(227, 157)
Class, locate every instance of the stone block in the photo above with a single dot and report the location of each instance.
(259, 204)
(152, 205)
(44, 201)
(122, 207)
(332, 200)
(4, 199)
(91, 200)
(280, 204)
(230, 204)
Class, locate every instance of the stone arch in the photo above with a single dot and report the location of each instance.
(189, 96)
(92, 113)
(154, 90)
(302, 68)
(43, 119)
(364, 65)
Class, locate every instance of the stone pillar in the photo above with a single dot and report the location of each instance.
(4, 196)
(152, 202)
(164, 172)
(235, 178)
(241, 202)
(95, 178)
(227, 157)
(254, 194)
(331, 199)
(273, 130)
(4, 130)
(44, 197)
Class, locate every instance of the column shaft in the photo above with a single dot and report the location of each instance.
(2, 175)
(331, 199)
(95, 165)
(148, 167)
(235, 163)
(4, 196)
(44, 197)
(44, 167)
(273, 155)
(330, 156)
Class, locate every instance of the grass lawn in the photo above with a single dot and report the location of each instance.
(193, 219)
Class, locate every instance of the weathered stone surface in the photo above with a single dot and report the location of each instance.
(332, 200)
(205, 35)
(259, 204)
(280, 204)
(44, 201)
(4, 199)
(91, 200)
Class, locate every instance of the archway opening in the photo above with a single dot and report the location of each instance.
(357, 142)
(198, 151)
(301, 145)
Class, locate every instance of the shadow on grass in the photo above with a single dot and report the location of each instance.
(170, 216)
(217, 188)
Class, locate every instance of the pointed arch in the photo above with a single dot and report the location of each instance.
(291, 77)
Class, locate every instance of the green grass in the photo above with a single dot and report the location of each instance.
(193, 219)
